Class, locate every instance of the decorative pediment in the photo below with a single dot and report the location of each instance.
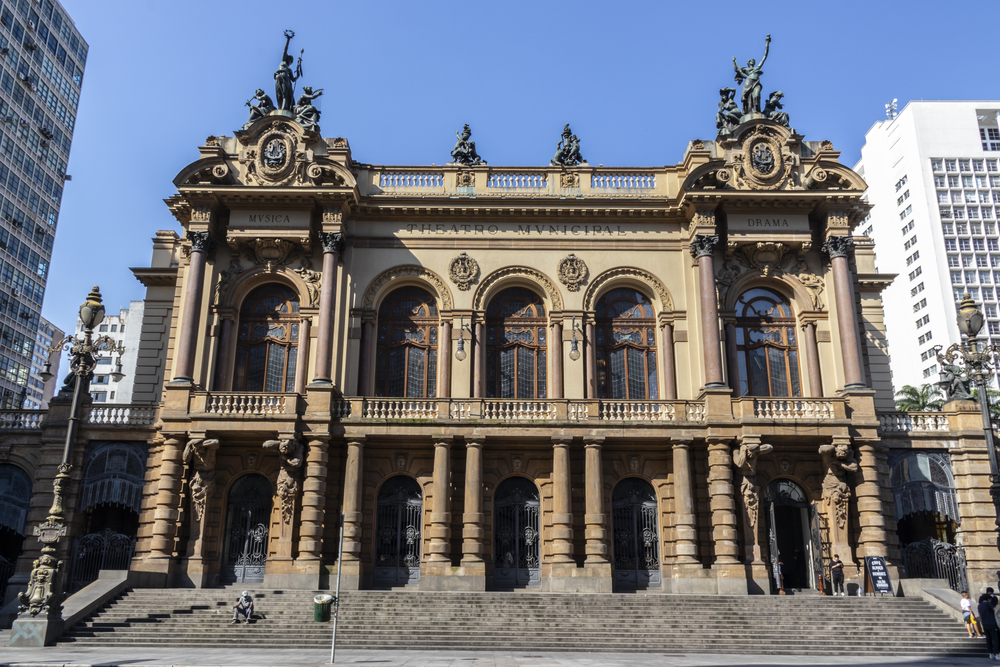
(763, 160)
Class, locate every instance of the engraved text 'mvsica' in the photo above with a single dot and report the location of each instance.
(265, 218)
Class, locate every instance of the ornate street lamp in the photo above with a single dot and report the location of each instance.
(974, 362)
(44, 594)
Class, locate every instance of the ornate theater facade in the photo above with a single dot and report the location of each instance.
(561, 378)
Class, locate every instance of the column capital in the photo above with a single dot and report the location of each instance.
(838, 246)
(332, 241)
(443, 440)
(680, 444)
(475, 440)
(593, 440)
(561, 440)
(702, 245)
(200, 241)
(357, 439)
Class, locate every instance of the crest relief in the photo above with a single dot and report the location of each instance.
(572, 272)
(463, 271)
(762, 162)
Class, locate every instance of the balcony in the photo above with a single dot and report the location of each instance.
(244, 405)
(908, 422)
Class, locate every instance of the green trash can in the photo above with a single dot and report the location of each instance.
(321, 607)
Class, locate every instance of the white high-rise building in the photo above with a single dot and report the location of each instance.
(124, 328)
(933, 174)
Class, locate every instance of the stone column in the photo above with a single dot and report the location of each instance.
(591, 360)
(686, 540)
(732, 364)
(596, 534)
(302, 356)
(723, 505)
(352, 500)
(167, 503)
(444, 360)
(555, 352)
(472, 518)
(479, 356)
(562, 511)
(333, 245)
(669, 366)
(222, 356)
(440, 531)
(812, 360)
(313, 507)
(872, 540)
(839, 247)
(194, 283)
(365, 362)
(703, 249)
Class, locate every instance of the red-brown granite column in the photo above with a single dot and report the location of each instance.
(191, 312)
(365, 363)
(302, 356)
(479, 356)
(596, 534)
(440, 530)
(555, 350)
(444, 360)
(669, 366)
(591, 368)
(222, 356)
(838, 247)
(812, 360)
(333, 245)
(703, 248)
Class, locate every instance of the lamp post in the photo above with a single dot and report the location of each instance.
(40, 607)
(977, 362)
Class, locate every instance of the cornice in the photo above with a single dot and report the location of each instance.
(155, 276)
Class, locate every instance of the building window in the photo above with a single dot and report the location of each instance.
(926, 337)
(930, 371)
(407, 352)
(99, 396)
(950, 165)
(100, 379)
(994, 328)
(516, 345)
(912, 258)
(267, 340)
(626, 346)
(923, 320)
(916, 272)
(103, 327)
(927, 354)
(920, 305)
(766, 349)
(900, 183)
(917, 290)
(909, 244)
(114, 328)
(953, 261)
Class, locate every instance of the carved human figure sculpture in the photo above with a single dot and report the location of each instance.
(291, 453)
(464, 151)
(285, 78)
(199, 454)
(749, 76)
(838, 459)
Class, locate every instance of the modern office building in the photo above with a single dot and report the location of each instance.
(122, 328)
(42, 56)
(39, 391)
(933, 174)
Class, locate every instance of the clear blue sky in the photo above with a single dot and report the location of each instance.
(636, 80)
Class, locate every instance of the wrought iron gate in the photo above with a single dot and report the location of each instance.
(516, 552)
(106, 550)
(397, 548)
(247, 517)
(636, 534)
(932, 559)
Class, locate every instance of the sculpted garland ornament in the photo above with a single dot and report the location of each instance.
(463, 271)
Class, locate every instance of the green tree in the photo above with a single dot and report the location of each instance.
(926, 398)
(992, 400)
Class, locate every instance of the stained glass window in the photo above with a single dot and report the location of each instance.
(516, 345)
(406, 359)
(766, 348)
(626, 346)
(267, 338)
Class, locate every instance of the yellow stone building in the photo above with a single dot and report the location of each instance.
(566, 378)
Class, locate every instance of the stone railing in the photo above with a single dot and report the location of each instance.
(244, 404)
(789, 409)
(470, 409)
(410, 179)
(375, 408)
(651, 411)
(906, 422)
(517, 180)
(120, 415)
(11, 420)
(619, 180)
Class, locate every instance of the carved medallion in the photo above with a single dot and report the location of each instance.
(275, 156)
(569, 179)
(763, 163)
(762, 159)
(271, 252)
(465, 179)
(572, 272)
(463, 271)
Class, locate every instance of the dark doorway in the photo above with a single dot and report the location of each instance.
(397, 529)
(516, 538)
(792, 536)
(791, 541)
(636, 532)
(248, 515)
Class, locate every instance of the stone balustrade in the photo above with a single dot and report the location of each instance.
(16, 420)
(786, 409)
(120, 415)
(389, 408)
(907, 422)
(244, 404)
(404, 180)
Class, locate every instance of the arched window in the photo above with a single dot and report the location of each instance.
(515, 345)
(626, 346)
(406, 359)
(766, 348)
(268, 337)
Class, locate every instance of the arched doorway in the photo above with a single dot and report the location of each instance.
(397, 530)
(636, 534)
(248, 515)
(794, 545)
(516, 536)
(15, 499)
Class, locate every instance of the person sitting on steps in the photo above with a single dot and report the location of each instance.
(244, 605)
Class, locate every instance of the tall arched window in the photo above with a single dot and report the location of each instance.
(406, 359)
(766, 347)
(515, 345)
(268, 336)
(626, 346)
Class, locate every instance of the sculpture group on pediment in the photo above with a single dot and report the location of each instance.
(567, 150)
(464, 151)
(303, 111)
(729, 116)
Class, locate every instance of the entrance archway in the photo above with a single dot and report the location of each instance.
(636, 534)
(248, 514)
(516, 536)
(793, 536)
(15, 500)
(397, 530)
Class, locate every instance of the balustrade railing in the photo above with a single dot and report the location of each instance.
(399, 409)
(905, 422)
(519, 410)
(502, 179)
(792, 408)
(622, 180)
(120, 415)
(239, 405)
(21, 419)
(410, 179)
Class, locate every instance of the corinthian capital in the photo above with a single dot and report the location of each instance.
(703, 245)
(838, 246)
(332, 241)
(200, 241)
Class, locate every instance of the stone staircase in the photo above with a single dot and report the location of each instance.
(535, 622)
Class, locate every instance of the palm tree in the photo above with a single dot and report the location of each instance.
(992, 400)
(927, 398)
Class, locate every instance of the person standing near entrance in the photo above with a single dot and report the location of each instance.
(969, 617)
(988, 622)
(837, 575)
